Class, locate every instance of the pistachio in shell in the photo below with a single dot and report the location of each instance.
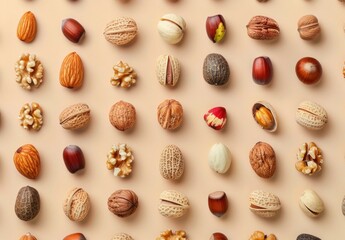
(311, 204)
(216, 70)
(27, 204)
(264, 115)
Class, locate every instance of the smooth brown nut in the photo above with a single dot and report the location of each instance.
(308, 27)
(170, 235)
(263, 159)
(311, 115)
(263, 28)
(265, 116)
(309, 159)
(171, 164)
(72, 30)
(75, 236)
(77, 205)
(262, 70)
(218, 236)
(75, 117)
(28, 236)
(216, 70)
(173, 204)
(27, 161)
(170, 114)
(308, 70)
(311, 204)
(171, 28)
(27, 27)
(122, 115)
(121, 31)
(264, 204)
(72, 71)
(305, 236)
(122, 236)
(27, 204)
(123, 203)
(168, 70)
(258, 235)
(218, 203)
(73, 158)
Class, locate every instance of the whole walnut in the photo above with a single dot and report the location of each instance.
(263, 159)
(122, 115)
(123, 203)
(170, 114)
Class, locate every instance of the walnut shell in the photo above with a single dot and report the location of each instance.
(27, 204)
(28, 236)
(263, 159)
(122, 115)
(75, 117)
(171, 164)
(121, 31)
(72, 71)
(170, 114)
(27, 161)
(123, 203)
(216, 69)
(308, 27)
(122, 236)
(77, 205)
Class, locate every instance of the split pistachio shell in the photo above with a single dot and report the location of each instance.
(311, 115)
(219, 158)
(311, 204)
(265, 116)
(171, 28)
(264, 204)
(168, 70)
(173, 204)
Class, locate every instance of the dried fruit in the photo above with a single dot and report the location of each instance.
(262, 70)
(308, 70)
(309, 158)
(170, 114)
(263, 159)
(311, 204)
(28, 236)
(122, 236)
(170, 235)
(215, 28)
(73, 158)
(29, 71)
(311, 115)
(264, 115)
(122, 115)
(121, 31)
(77, 204)
(258, 235)
(216, 118)
(123, 203)
(120, 159)
(27, 204)
(173, 204)
(31, 116)
(27, 27)
(219, 158)
(171, 28)
(218, 203)
(75, 236)
(308, 27)
(263, 28)
(124, 75)
(72, 71)
(72, 30)
(75, 117)
(168, 70)
(264, 204)
(216, 69)
(27, 161)
(171, 164)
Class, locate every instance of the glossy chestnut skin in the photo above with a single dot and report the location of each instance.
(75, 236)
(218, 203)
(215, 28)
(72, 30)
(218, 236)
(262, 70)
(308, 70)
(73, 158)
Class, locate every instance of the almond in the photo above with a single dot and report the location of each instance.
(27, 161)
(27, 27)
(72, 71)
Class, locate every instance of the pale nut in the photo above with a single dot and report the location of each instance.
(122, 115)
(265, 116)
(168, 70)
(308, 27)
(258, 235)
(264, 204)
(27, 161)
(219, 158)
(170, 235)
(122, 236)
(171, 164)
(173, 204)
(170, 114)
(29, 71)
(263, 159)
(311, 204)
(121, 31)
(309, 159)
(77, 205)
(27, 27)
(120, 159)
(31, 116)
(124, 75)
(171, 28)
(72, 71)
(74, 117)
(311, 115)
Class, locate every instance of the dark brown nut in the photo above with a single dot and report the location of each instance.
(27, 204)
(72, 30)
(309, 158)
(75, 117)
(308, 27)
(305, 236)
(263, 160)
(75, 236)
(168, 70)
(218, 203)
(216, 69)
(121, 31)
(122, 115)
(218, 236)
(73, 158)
(215, 28)
(263, 28)
(170, 114)
(262, 70)
(123, 203)
(308, 70)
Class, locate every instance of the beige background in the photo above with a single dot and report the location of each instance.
(194, 137)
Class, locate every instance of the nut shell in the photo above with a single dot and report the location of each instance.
(305, 236)
(216, 69)
(264, 204)
(263, 28)
(72, 71)
(311, 204)
(219, 158)
(170, 114)
(218, 203)
(27, 161)
(308, 70)
(308, 27)
(263, 159)
(168, 70)
(171, 165)
(75, 236)
(121, 31)
(27, 27)
(123, 203)
(73, 158)
(173, 204)
(27, 204)
(171, 28)
(75, 117)
(122, 115)
(311, 115)
(72, 30)
(265, 116)
(122, 236)
(262, 70)
(77, 205)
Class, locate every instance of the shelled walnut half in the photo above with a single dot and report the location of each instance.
(120, 160)
(124, 75)
(309, 158)
(29, 71)
(31, 117)
(170, 235)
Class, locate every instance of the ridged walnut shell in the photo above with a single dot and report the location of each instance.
(27, 204)
(122, 115)
(122, 236)
(28, 236)
(308, 27)
(264, 204)
(27, 27)
(121, 31)
(72, 71)
(27, 161)
(216, 69)
(263, 159)
(123, 203)
(168, 70)
(311, 204)
(171, 164)
(311, 115)
(173, 204)
(170, 114)
(77, 205)
(75, 117)
(265, 116)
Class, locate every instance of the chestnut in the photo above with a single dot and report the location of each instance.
(218, 236)
(72, 30)
(262, 70)
(218, 203)
(73, 158)
(308, 70)
(215, 28)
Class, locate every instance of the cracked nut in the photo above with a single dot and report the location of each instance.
(309, 158)
(305, 236)
(264, 204)
(170, 235)
(124, 75)
(311, 115)
(308, 27)
(29, 71)
(123, 203)
(72, 71)
(173, 204)
(120, 160)
(218, 203)
(27, 27)
(263, 159)
(27, 161)
(263, 28)
(311, 204)
(75, 236)
(170, 114)
(122, 116)
(171, 28)
(219, 158)
(171, 164)
(258, 235)
(168, 70)
(216, 118)
(216, 70)
(76, 116)
(31, 116)
(122, 236)
(121, 31)
(77, 205)
(265, 116)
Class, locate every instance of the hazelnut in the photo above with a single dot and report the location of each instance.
(262, 70)
(123, 203)
(73, 158)
(218, 203)
(308, 70)
(215, 28)
(218, 236)
(72, 30)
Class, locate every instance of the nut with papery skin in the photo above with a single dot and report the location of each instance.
(173, 204)
(27, 27)
(123, 203)
(77, 205)
(72, 30)
(168, 70)
(29, 71)
(264, 204)
(215, 28)
(311, 115)
(28, 236)
(120, 160)
(216, 118)
(218, 203)
(170, 114)
(72, 71)
(75, 236)
(171, 28)
(27, 204)
(73, 158)
(121, 31)
(219, 158)
(27, 161)
(171, 164)
(263, 159)
(170, 235)
(122, 236)
(122, 115)
(258, 235)
(74, 117)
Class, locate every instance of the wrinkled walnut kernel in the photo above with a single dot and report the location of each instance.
(30, 116)
(170, 235)
(29, 71)
(309, 158)
(124, 75)
(120, 160)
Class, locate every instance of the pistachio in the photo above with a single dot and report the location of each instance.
(264, 115)
(264, 204)
(311, 204)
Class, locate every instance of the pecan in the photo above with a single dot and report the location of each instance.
(263, 28)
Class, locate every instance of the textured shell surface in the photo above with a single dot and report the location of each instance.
(173, 204)
(77, 204)
(72, 71)
(216, 69)
(305, 236)
(264, 204)
(263, 159)
(75, 116)
(28, 236)
(171, 163)
(168, 70)
(311, 203)
(123, 202)
(121, 31)
(122, 115)
(311, 115)
(122, 236)
(170, 114)
(219, 158)
(27, 161)
(263, 28)
(27, 204)
(27, 27)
